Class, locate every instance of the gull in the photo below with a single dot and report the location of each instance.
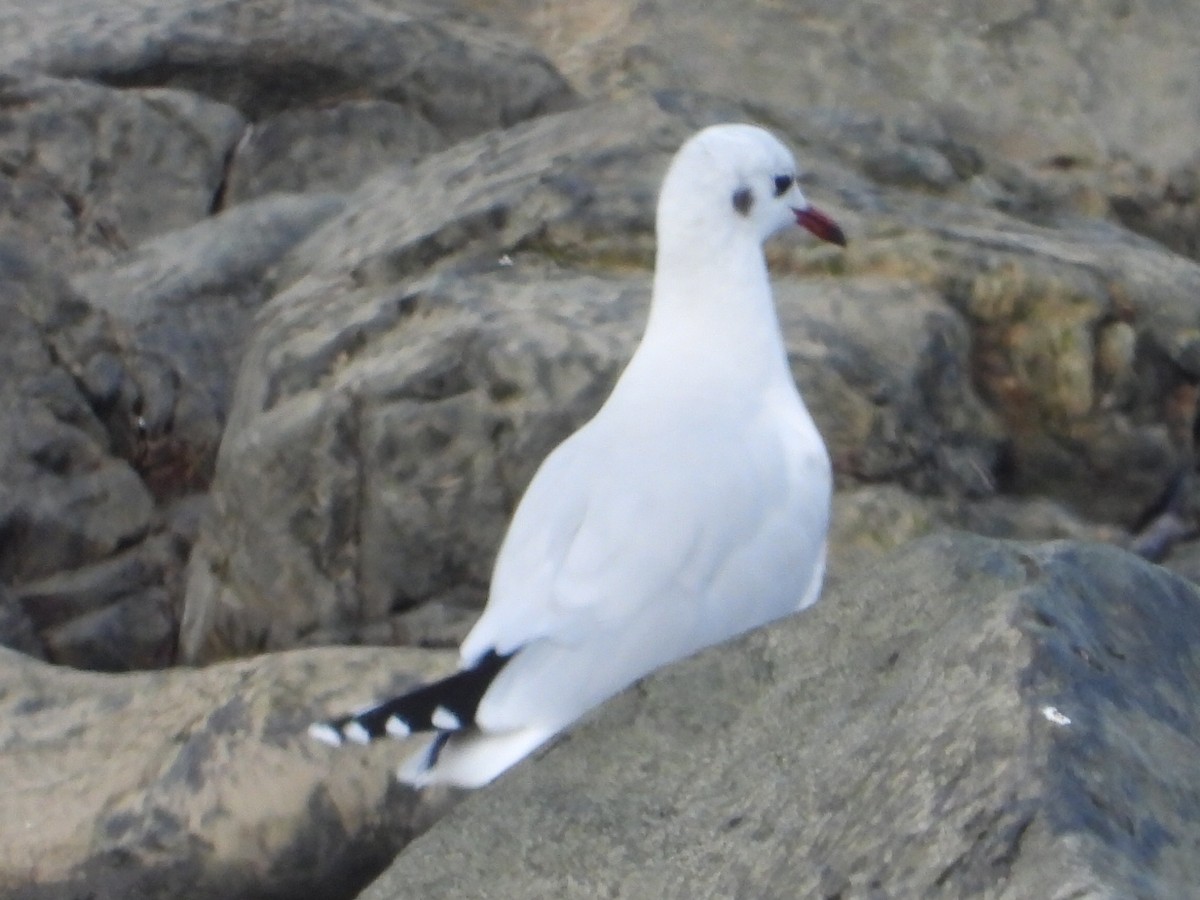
(693, 507)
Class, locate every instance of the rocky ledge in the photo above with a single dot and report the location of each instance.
(972, 718)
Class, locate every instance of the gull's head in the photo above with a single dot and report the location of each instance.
(737, 179)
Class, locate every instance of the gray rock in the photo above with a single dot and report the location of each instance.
(993, 75)
(16, 629)
(1042, 308)
(109, 417)
(403, 464)
(226, 254)
(114, 615)
(64, 499)
(1185, 561)
(187, 302)
(199, 784)
(970, 719)
(981, 101)
(91, 171)
(1164, 205)
(138, 631)
(81, 525)
(265, 57)
(329, 148)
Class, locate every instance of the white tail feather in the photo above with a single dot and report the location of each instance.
(472, 759)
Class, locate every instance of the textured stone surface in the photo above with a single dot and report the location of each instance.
(64, 497)
(87, 171)
(112, 413)
(1034, 81)
(124, 132)
(273, 55)
(971, 719)
(1027, 107)
(198, 784)
(328, 148)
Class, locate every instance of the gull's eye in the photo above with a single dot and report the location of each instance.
(782, 184)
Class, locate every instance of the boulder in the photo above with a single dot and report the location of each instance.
(186, 303)
(66, 500)
(117, 389)
(1050, 85)
(200, 784)
(16, 628)
(1082, 344)
(90, 171)
(127, 133)
(1031, 109)
(449, 72)
(970, 718)
(328, 148)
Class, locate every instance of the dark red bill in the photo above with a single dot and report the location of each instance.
(820, 225)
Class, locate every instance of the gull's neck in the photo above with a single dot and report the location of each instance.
(712, 313)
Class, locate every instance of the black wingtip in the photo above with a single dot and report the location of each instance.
(445, 706)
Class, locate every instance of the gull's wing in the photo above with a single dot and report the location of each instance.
(608, 528)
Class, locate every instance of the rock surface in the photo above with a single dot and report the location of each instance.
(1037, 82)
(90, 171)
(134, 143)
(198, 784)
(971, 719)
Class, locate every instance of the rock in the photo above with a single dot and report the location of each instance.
(885, 369)
(1164, 205)
(229, 253)
(1038, 308)
(267, 57)
(871, 521)
(980, 101)
(16, 629)
(1028, 519)
(971, 718)
(200, 784)
(995, 74)
(111, 417)
(111, 615)
(331, 149)
(399, 471)
(124, 132)
(65, 500)
(90, 171)
(1185, 561)
(79, 513)
(188, 302)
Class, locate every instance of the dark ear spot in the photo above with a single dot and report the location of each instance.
(743, 199)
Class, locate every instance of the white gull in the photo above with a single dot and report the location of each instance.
(692, 508)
